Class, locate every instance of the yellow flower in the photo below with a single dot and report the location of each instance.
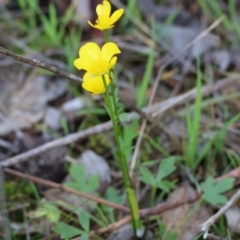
(105, 21)
(94, 84)
(95, 60)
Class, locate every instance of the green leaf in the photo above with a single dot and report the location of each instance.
(124, 117)
(93, 183)
(129, 133)
(79, 182)
(166, 167)
(77, 173)
(66, 231)
(212, 190)
(84, 220)
(163, 233)
(147, 176)
(143, 86)
(84, 236)
(165, 185)
(224, 184)
(112, 194)
(49, 210)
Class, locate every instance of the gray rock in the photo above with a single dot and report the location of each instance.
(126, 233)
(52, 118)
(73, 105)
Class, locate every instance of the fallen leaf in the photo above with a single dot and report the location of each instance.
(186, 219)
(28, 105)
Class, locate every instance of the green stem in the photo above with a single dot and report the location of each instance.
(153, 194)
(111, 103)
(105, 36)
(117, 131)
(115, 104)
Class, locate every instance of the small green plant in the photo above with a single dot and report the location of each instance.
(165, 168)
(143, 86)
(218, 139)
(213, 9)
(212, 190)
(48, 29)
(67, 231)
(112, 195)
(193, 125)
(28, 10)
(79, 182)
(71, 42)
(164, 234)
(49, 210)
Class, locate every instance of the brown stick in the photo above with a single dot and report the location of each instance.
(56, 143)
(158, 209)
(162, 207)
(40, 64)
(66, 189)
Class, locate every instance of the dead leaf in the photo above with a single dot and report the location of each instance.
(233, 219)
(186, 219)
(179, 37)
(29, 104)
(222, 58)
(48, 165)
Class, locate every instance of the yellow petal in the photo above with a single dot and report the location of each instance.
(109, 50)
(113, 62)
(103, 9)
(97, 26)
(94, 84)
(82, 64)
(104, 27)
(90, 51)
(116, 15)
(91, 24)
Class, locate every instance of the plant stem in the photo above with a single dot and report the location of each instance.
(117, 131)
(111, 102)
(105, 36)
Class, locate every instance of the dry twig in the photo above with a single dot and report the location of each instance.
(56, 143)
(214, 237)
(40, 64)
(66, 189)
(158, 209)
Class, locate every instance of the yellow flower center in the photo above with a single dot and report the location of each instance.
(103, 21)
(99, 67)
